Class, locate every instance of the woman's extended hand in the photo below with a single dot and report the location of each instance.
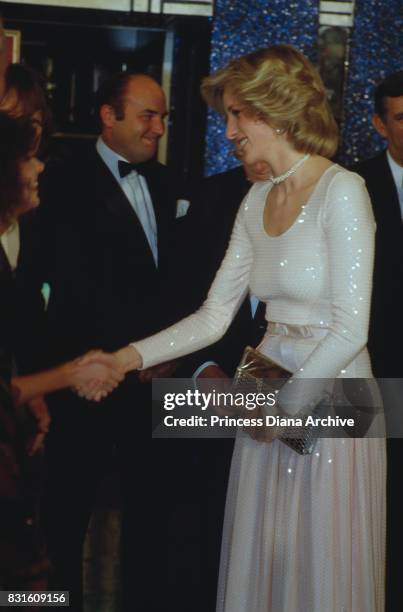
(100, 373)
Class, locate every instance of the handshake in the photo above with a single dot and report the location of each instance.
(96, 374)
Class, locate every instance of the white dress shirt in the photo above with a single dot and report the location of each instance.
(135, 188)
(397, 173)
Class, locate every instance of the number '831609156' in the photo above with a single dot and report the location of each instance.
(44, 598)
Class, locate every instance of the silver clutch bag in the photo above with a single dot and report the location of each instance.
(257, 373)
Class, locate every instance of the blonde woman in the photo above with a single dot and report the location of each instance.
(302, 533)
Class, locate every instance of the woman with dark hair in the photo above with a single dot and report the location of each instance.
(302, 533)
(25, 96)
(19, 167)
(22, 561)
(19, 194)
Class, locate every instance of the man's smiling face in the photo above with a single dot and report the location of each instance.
(135, 136)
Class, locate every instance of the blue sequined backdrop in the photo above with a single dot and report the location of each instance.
(242, 26)
(376, 51)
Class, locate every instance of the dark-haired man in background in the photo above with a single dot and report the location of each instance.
(107, 222)
(384, 179)
(383, 175)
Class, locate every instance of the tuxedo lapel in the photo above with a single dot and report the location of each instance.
(160, 189)
(384, 195)
(110, 194)
(155, 184)
(119, 212)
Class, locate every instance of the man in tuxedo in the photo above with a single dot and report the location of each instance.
(107, 222)
(383, 175)
(384, 179)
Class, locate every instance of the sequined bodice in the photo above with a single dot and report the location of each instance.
(293, 272)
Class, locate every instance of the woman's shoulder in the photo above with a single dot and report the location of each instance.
(339, 177)
(346, 194)
(337, 183)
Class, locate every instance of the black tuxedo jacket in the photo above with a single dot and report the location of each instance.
(386, 328)
(205, 234)
(105, 289)
(22, 307)
(29, 311)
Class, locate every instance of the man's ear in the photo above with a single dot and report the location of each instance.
(379, 126)
(107, 115)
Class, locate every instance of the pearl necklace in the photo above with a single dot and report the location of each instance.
(282, 177)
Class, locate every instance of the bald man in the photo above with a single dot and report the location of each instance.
(107, 222)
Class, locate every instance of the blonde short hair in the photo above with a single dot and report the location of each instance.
(280, 86)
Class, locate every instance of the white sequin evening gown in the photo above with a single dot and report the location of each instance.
(301, 533)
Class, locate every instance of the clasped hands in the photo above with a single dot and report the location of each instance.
(98, 373)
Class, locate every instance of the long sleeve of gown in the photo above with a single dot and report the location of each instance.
(349, 229)
(210, 322)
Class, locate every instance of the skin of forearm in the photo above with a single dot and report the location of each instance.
(34, 385)
(128, 358)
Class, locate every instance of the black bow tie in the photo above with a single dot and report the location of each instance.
(125, 168)
(142, 167)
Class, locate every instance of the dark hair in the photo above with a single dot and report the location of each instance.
(18, 140)
(30, 92)
(112, 92)
(391, 87)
